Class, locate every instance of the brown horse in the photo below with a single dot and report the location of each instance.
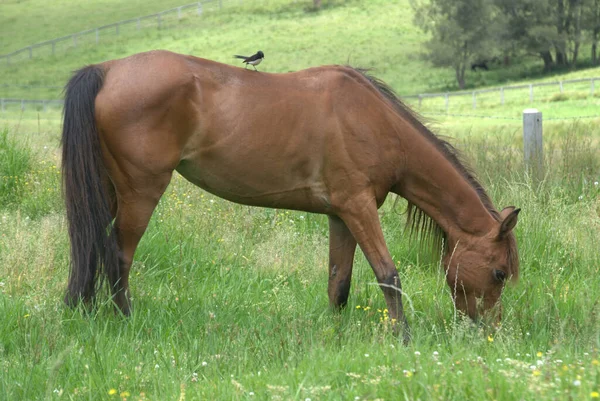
(329, 140)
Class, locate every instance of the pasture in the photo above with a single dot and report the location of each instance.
(230, 302)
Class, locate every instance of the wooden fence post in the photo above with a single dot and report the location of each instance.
(531, 93)
(532, 143)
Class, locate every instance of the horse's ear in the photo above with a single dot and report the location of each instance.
(508, 217)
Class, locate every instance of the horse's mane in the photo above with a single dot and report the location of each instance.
(417, 222)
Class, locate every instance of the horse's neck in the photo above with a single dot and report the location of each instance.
(433, 184)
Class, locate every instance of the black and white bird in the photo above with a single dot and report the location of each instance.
(253, 60)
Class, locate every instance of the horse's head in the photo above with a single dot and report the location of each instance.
(478, 268)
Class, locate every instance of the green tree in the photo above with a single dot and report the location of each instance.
(591, 25)
(460, 32)
(550, 29)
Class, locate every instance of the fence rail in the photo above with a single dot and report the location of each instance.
(94, 36)
(22, 104)
(584, 86)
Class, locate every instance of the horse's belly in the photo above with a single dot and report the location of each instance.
(275, 190)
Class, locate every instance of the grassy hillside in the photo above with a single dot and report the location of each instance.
(376, 34)
(25, 22)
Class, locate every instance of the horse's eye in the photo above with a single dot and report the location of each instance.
(499, 275)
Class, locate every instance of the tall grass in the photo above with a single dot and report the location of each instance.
(15, 161)
(230, 301)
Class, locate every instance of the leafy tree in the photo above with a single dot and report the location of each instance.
(591, 24)
(460, 32)
(528, 26)
(550, 29)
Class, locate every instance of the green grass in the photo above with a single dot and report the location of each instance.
(230, 302)
(24, 23)
(292, 38)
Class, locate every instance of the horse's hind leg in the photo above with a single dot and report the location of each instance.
(341, 256)
(136, 201)
(360, 215)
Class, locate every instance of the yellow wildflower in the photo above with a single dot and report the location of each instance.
(594, 394)
(112, 391)
(490, 339)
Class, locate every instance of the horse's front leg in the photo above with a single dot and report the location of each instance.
(361, 218)
(341, 257)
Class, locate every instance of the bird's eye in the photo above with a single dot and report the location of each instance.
(499, 275)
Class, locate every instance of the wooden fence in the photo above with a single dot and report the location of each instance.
(508, 94)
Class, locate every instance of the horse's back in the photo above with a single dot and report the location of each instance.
(257, 138)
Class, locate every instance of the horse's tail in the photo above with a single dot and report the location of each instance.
(93, 243)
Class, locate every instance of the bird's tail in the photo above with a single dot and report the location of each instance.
(242, 57)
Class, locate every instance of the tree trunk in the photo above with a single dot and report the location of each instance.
(460, 76)
(560, 45)
(575, 54)
(561, 57)
(547, 57)
(317, 3)
(595, 59)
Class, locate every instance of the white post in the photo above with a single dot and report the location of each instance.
(531, 93)
(532, 142)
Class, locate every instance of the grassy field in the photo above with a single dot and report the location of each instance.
(376, 34)
(230, 302)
